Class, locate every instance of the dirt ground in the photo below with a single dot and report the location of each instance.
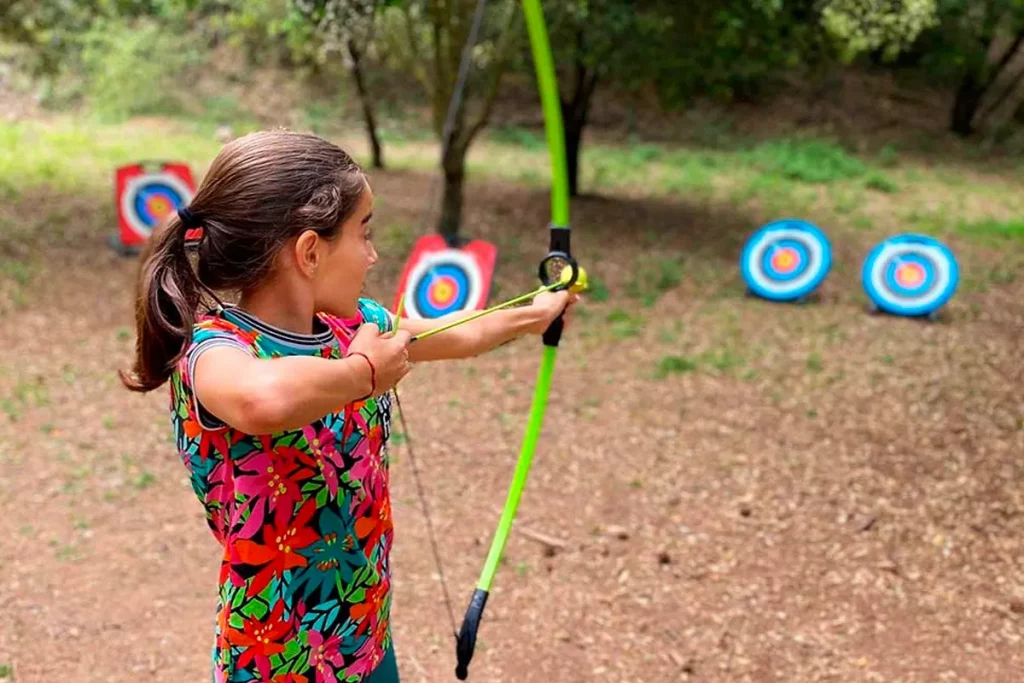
(832, 496)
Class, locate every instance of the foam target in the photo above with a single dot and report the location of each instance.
(910, 275)
(786, 260)
(439, 280)
(147, 194)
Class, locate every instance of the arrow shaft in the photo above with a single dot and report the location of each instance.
(492, 309)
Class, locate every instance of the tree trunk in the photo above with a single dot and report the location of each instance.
(573, 139)
(575, 112)
(364, 99)
(454, 166)
(1014, 81)
(968, 99)
(978, 80)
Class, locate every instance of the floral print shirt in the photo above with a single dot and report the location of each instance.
(304, 516)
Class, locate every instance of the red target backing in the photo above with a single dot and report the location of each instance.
(438, 279)
(147, 193)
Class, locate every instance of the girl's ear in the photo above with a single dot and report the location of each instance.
(307, 253)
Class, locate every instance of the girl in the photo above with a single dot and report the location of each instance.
(280, 403)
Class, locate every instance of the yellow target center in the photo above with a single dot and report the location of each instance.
(443, 291)
(911, 276)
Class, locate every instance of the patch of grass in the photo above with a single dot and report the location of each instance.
(863, 223)
(881, 183)
(846, 198)
(814, 362)
(80, 156)
(7, 671)
(722, 360)
(888, 157)
(623, 325)
(517, 137)
(691, 173)
(144, 480)
(991, 230)
(675, 365)
(809, 161)
(653, 278)
(597, 290)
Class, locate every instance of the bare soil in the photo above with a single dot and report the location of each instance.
(837, 497)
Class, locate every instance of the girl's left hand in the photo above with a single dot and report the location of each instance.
(548, 306)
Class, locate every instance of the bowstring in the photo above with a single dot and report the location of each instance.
(434, 195)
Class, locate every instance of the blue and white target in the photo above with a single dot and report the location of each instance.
(910, 275)
(443, 282)
(150, 198)
(786, 260)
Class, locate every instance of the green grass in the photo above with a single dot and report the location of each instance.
(991, 230)
(808, 161)
(653, 277)
(724, 360)
(74, 157)
(765, 180)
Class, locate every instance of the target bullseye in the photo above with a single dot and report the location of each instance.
(440, 280)
(147, 194)
(910, 275)
(786, 260)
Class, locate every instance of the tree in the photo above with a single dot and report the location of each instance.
(594, 41)
(979, 39)
(970, 41)
(427, 38)
(347, 27)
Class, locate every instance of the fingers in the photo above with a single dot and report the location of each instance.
(366, 332)
(401, 337)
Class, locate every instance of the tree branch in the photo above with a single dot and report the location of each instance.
(505, 43)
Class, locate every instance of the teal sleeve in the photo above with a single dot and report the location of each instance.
(373, 312)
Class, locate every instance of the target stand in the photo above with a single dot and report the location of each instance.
(910, 275)
(439, 278)
(786, 261)
(146, 194)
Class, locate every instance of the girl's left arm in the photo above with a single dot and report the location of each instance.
(473, 338)
(486, 333)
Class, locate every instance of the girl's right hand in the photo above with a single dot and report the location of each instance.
(388, 353)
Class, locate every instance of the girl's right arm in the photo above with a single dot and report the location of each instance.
(261, 396)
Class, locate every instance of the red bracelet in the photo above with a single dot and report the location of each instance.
(373, 373)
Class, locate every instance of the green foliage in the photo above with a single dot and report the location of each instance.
(886, 26)
(731, 49)
(611, 40)
(134, 68)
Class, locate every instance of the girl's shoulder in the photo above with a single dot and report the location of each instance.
(369, 312)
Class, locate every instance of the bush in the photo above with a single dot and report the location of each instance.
(135, 68)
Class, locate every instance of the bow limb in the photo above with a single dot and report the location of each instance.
(559, 253)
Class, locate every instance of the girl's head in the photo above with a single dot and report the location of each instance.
(277, 209)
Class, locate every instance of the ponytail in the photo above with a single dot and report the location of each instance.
(168, 293)
(262, 190)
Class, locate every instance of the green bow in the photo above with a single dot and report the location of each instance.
(559, 254)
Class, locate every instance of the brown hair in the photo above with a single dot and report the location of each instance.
(260, 191)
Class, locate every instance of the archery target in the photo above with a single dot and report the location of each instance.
(147, 197)
(910, 275)
(439, 280)
(786, 260)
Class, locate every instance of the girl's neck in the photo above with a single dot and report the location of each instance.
(280, 307)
